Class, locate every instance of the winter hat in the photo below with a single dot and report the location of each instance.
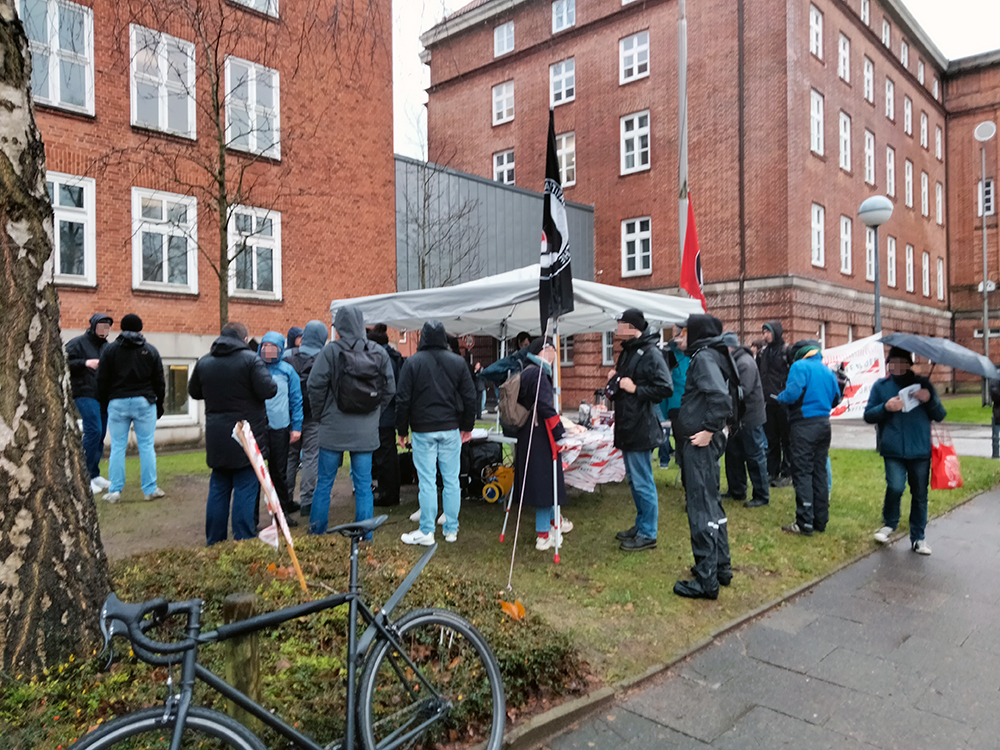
(896, 353)
(730, 339)
(806, 348)
(634, 318)
(536, 346)
(131, 322)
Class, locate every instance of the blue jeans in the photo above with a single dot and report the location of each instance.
(433, 450)
(361, 477)
(240, 485)
(639, 472)
(897, 472)
(136, 412)
(544, 518)
(95, 427)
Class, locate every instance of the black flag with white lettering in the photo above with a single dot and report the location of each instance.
(555, 288)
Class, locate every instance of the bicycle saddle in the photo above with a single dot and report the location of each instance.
(359, 528)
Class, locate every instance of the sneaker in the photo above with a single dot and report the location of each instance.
(565, 525)
(451, 537)
(638, 543)
(415, 516)
(113, 497)
(883, 534)
(157, 493)
(794, 528)
(921, 548)
(543, 543)
(621, 536)
(418, 537)
(95, 488)
(440, 521)
(101, 482)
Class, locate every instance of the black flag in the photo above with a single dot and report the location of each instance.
(555, 287)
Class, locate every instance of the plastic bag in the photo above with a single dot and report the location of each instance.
(946, 472)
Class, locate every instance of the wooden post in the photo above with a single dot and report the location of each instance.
(242, 657)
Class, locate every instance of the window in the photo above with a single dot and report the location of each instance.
(178, 407)
(255, 252)
(608, 348)
(844, 58)
(869, 157)
(562, 82)
(815, 31)
(74, 227)
(907, 115)
(633, 57)
(503, 39)
(940, 278)
(904, 54)
(845, 141)
(162, 77)
(869, 81)
(816, 122)
(937, 89)
(164, 241)
(253, 120)
(939, 202)
(566, 351)
(270, 7)
(866, 12)
(923, 129)
(503, 167)
(886, 32)
(563, 14)
(920, 72)
(61, 40)
(818, 238)
(503, 102)
(637, 254)
(909, 268)
(925, 274)
(566, 154)
(635, 142)
(869, 254)
(890, 171)
(938, 142)
(925, 207)
(890, 260)
(908, 183)
(985, 195)
(845, 245)
(890, 99)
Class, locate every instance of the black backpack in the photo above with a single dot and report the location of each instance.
(732, 376)
(303, 365)
(360, 379)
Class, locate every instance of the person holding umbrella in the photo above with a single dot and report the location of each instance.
(902, 406)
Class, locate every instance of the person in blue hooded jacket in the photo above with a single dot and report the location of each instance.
(284, 417)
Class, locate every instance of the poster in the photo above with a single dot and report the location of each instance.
(864, 362)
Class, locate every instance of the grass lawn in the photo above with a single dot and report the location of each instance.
(968, 409)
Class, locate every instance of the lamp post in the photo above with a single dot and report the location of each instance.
(875, 212)
(984, 132)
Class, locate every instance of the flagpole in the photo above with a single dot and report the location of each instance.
(682, 122)
(557, 530)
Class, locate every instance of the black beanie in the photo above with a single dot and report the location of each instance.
(536, 346)
(131, 322)
(896, 353)
(634, 318)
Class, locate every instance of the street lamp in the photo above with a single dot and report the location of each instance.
(875, 212)
(984, 132)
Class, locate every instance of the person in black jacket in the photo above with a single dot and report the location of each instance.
(706, 410)
(385, 460)
(130, 382)
(304, 452)
(773, 363)
(436, 399)
(746, 451)
(234, 383)
(639, 382)
(83, 355)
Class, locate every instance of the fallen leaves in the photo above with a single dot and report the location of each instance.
(514, 610)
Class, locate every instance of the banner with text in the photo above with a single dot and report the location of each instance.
(864, 363)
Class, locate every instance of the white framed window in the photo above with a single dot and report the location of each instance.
(869, 76)
(503, 102)
(74, 228)
(61, 41)
(635, 142)
(818, 235)
(890, 260)
(633, 57)
(162, 82)
(907, 115)
(869, 254)
(255, 253)
(925, 274)
(845, 141)
(566, 154)
(844, 58)
(608, 348)
(920, 72)
(904, 54)
(909, 268)
(938, 143)
(939, 202)
(845, 245)
(816, 122)
(890, 171)
(821, 334)
(563, 14)
(164, 241)
(866, 12)
(503, 167)
(562, 82)
(178, 408)
(637, 247)
(253, 111)
(925, 198)
(908, 183)
(268, 7)
(936, 89)
(503, 39)
(890, 99)
(985, 195)
(923, 129)
(869, 157)
(886, 32)
(816, 31)
(940, 278)
(566, 350)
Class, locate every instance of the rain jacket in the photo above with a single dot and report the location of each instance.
(753, 392)
(812, 389)
(707, 403)
(637, 415)
(304, 356)
(500, 370)
(83, 379)
(903, 434)
(678, 361)
(293, 332)
(131, 367)
(285, 408)
(773, 361)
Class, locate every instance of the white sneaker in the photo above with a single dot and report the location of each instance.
(418, 537)
(415, 516)
(157, 493)
(113, 497)
(921, 548)
(101, 482)
(883, 534)
(565, 525)
(451, 537)
(547, 542)
(441, 520)
(95, 488)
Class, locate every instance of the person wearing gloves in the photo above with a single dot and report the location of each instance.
(810, 393)
(746, 451)
(284, 418)
(904, 442)
(83, 355)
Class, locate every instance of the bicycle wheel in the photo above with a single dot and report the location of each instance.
(145, 730)
(456, 661)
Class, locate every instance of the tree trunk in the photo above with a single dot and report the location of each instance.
(53, 571)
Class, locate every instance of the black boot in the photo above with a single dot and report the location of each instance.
(695, 590)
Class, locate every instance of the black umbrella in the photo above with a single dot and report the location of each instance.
(944, 352)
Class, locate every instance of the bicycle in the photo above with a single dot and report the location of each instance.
(423, 676)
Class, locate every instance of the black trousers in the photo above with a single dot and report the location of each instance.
(706, 518)
(277, 465)
(778, 440)
(385, 468)
(810, 448)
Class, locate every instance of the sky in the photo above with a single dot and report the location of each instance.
(958, 27)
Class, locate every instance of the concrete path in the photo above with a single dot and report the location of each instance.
(896, 651)
(969, 439)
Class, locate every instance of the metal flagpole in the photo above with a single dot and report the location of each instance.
(556, 519)
(682, 210)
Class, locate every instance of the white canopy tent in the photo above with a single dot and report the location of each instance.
(508, 302)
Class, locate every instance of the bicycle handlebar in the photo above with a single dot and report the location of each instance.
(134, 618)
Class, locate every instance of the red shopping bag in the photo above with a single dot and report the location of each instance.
(946, 473)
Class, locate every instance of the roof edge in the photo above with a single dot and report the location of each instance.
(918, 32)
(455, 24)
(982, 60)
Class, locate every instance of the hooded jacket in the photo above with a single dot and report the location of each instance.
(388, 419)
(637, 415)
(678, 362)
(903, 434)
(339, 431)
(303, 357)
(293, 333)
(707, 403)
(753, 391)
(285, 408)
(773, 361)
(130, 367)
(82, 379)
(812, 389)
(436, 391)
(234, 383)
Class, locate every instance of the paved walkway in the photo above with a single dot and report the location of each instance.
(969, 439)
(896, 651)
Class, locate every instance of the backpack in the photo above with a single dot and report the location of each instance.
(303, 365)
(513, 415)
(732, 376)
(360, 380)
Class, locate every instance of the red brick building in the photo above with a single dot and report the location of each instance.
(124, 98)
